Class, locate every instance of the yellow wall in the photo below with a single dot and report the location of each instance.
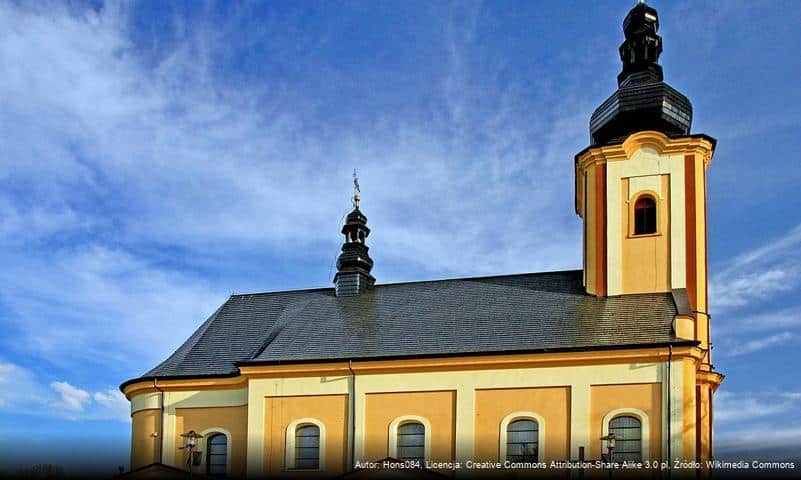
(592, 208)
(606, 398)
(645, 258)
(689, 405)
(551, 403)
(144, 445)
(381, 409)
(681, 255)
(231, 419)
(330, 410)
(463, 398)
(590, 252)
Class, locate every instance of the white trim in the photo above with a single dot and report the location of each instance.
(205, 448)
(465, 423)
(645, 433)
(521, 416)
(393, 435)
(291, 432)
(579, 418)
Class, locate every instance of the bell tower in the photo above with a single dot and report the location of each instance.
(640, 185)
(641, 195)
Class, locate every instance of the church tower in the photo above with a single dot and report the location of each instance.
(640, 185)
(641, 194)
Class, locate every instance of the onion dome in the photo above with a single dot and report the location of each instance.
(643, 101)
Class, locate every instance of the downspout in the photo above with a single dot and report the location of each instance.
(669, 410)
(161, 421)
(352, 411)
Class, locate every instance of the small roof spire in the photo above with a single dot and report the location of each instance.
(356, 190)
(354, 263)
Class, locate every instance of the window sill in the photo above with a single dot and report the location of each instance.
(644, 235)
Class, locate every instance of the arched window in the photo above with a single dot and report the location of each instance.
(645, 215)
(216, 454)
(411, 441)
(307, 447)
(627, 430)
(522, 441)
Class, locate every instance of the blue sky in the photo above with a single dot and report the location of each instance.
(156, 157)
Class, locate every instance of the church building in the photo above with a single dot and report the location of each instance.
(612, 361)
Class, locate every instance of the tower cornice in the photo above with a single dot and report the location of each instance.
(664, 145)
(700, 145)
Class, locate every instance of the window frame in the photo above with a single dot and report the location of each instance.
(645, 447)
(633, 213)
(207, 434)
(395, 425)
(291, 435)
(504, 433)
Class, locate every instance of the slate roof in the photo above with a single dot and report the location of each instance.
(512, 313)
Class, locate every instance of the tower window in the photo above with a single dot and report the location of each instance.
(644, 215)
(628, 435)
(216, 455)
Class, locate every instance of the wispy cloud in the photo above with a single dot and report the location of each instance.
(204, 164)
(751, 282)
(733, 407)
(773, 319)
(21, 391)
(759, 274)
(757, 424)
(757, 344)
(70, 398)
(114, 156)
(103, 306)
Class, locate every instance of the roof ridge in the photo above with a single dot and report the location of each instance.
(377, 285)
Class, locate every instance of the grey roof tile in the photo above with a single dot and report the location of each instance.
(528, 312)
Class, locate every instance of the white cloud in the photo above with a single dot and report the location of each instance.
(731, 407)
(762, 424)
(751, 346)
(19, 388)
(749, 287)
(125, 156)
(781, 319)
(70, 398)
(22, 391)
(196, 163)
(113, 401)
(104, 306)
(759, 274)
(781, 438)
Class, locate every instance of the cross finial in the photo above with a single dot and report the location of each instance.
(356, 190)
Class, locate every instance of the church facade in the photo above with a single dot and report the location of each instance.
(611, 361)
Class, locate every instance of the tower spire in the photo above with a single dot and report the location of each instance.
(640, 51)
(643, 101)
(354, 263)
(357, 190)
